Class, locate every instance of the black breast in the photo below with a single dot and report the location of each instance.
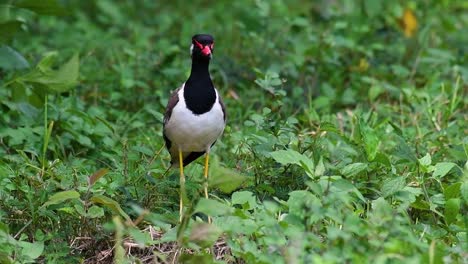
(199, 96)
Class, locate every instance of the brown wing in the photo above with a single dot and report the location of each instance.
(220, 100)
(173, 100)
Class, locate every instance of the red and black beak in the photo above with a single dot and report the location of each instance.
(205, 49)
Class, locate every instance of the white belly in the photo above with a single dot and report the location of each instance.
(189, 132)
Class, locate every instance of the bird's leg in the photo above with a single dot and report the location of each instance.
(182, 185)
(207, 159)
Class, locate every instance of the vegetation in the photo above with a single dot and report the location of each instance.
(346, 139)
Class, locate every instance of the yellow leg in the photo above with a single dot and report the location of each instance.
(182, 185)
(207, 159)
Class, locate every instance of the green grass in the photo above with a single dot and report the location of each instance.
(346, 139)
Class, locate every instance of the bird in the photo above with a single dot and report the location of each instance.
(195, 115)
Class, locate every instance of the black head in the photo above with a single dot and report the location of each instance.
(202, 46)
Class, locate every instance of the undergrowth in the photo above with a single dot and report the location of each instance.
(346, 139)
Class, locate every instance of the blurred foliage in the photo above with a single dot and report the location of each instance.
(346, 138)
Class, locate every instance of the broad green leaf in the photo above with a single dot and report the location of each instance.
(299, 200)
(452, 191)
(8, 29)
(452, 208)
(384, 159)
(442, 168)
(212, 207)
(170, 235)
(381, 210)
(346, 186)
(404, 151)
(288, 156)
(204, 234)
(375, 91)
(43, 7)
(464, 191)
(32, 250)
(421, 205)
(43, 76)
(393, 185)
(111, 204)
(353, 169)
(4, 228)
(10, 59)
(426, 160)
(225, 179)
(293, 157)
(95, 212)
(320, 168)
(142, 238)
(5, 259)
(79, 208)
(244, 198)
(67, 75)
(143, 150)
(61, 197)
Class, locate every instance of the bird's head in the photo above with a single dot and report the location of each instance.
(202, 46)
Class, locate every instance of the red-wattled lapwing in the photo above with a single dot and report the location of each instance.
(195, 116)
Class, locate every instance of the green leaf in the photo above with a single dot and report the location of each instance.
(212, 207)
(393, 185)
(320, 168)
(353, 169)
(373, 7)
(8, 29)
(404, 151)
(67, 75)
(370, 138)
(421, 205)
(343, 185)
(452, 208)
(204, 234)
(43, 7)
(426, 160)
(95, 212)
(191, 258)
(452, 191)
(61, 197)
(383, 159)
(327, 126)
(111, 204)
(225, 179)
(10, 59)
(43, 76)
(299, 200)
(464, 190)
(293, 157)
(32, 250)
(375, 91)
(142, 238)
(244, 198)
(442, 168)
(381, 209)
